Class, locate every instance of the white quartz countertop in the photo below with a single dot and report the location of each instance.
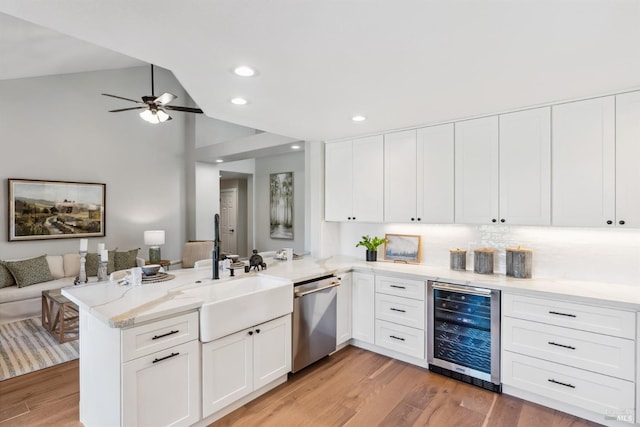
(124, 306)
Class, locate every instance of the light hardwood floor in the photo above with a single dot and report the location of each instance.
(353, 387)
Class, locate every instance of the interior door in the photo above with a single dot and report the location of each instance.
(228, 220)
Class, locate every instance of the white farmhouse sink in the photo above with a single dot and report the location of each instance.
(233, 305)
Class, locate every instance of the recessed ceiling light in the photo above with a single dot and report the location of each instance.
(238, 101)
(358, 118)
(295, 147)
(244, 71)
(219, 160)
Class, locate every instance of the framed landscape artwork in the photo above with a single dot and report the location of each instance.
(402, 248)
(281, 205)
(41, 210)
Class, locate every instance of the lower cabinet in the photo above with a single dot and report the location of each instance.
(343, 309)
(163, 389)
(238, 364)
(363, 288)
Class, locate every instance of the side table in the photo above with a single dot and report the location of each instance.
(60, 316)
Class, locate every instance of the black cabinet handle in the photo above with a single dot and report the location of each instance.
(250, 332)
(609, 222)
(257, 331)
(503, 220)
(398, 287)
(349, 217)
(419, 219)
(551, 380)
(165, 358)
(354, 218)
(562, 314)
(397, 309)
(621, 222)
(396, 338)
(155, 337)
(562, 345)
(413, 219)
(494, 220)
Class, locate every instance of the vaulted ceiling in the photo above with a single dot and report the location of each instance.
(320, 62)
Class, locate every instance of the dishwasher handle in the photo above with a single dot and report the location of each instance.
(461, 289)
(298, 294)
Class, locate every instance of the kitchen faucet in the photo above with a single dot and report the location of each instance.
(216, 247)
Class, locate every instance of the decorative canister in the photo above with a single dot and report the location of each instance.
(483, 260)
(519, 262)
(458, 259)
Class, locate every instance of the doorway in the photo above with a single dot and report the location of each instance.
(234, 216)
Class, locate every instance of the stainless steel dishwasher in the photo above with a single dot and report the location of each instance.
(314, 320)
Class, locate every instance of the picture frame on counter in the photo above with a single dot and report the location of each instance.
(40, 210)
(405, 248)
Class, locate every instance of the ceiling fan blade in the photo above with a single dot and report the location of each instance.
(127, 109)
(185, 109)
(165, 98)
(120, 97)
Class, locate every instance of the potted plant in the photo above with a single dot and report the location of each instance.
(371, 244)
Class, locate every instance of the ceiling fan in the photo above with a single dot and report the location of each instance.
(154, 106)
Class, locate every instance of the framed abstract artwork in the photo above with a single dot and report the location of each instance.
(402, 248)
(281, 205)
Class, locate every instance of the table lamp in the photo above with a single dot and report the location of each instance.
(154, 238)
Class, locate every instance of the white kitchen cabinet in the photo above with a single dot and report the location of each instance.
(628, 160)
(238, 364)
(525, 167)
(343, 309)
(363, 307)
(354, 179)
(584, 163)
(418, 175)
(163, 389)
(476, 171)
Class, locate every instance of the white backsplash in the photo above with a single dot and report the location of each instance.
(591, 254)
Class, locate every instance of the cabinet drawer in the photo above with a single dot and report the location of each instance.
(401, 287)
(598, 393)
(594, 352)
(405, 311)
(400, 338)
(589, 318)
(151, 337)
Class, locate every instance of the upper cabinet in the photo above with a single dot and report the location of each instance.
(418, 175)
(354, 179)
(476, 171)
(584, 163)
(628, 159)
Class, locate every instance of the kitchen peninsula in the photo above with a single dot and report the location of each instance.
(126, 332)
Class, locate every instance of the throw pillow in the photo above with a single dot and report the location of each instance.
(92, 261)
(125, 259)
(30, 271)
(6, 278)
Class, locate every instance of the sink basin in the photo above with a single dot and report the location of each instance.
(233, 305)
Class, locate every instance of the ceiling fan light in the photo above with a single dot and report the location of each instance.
(148, 116)
(162, 116)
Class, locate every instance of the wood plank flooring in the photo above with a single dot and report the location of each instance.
(354, 388)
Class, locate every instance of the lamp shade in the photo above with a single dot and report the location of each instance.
(154, 237)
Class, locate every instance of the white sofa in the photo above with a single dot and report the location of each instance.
(22, 303)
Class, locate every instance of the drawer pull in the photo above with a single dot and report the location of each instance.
(397, 309)
(551, 380)
(562, 314)
(398, 287)
(165, 358)
(155, 337)
(396, 338)
(562, 345)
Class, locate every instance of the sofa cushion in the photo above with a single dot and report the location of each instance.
(14, 293)
(30, 271)
(71, 264)
(125, 259)
(56, 266)
(93, 260)
(6, 278)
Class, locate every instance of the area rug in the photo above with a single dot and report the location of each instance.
(25, 346)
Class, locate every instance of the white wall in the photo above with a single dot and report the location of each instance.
(207, 195)
(210, 131)
(265, 166)
(58, 128)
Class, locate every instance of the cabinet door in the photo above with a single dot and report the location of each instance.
(271, 351)
(434, 197)
(583, 153)
(628, 159)
(338, 203)
(343, 309)
(368, 179)
(227, 370)
(525, 167)
(476, 171)
(363, 307)
(400, 177)
(163, 389)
